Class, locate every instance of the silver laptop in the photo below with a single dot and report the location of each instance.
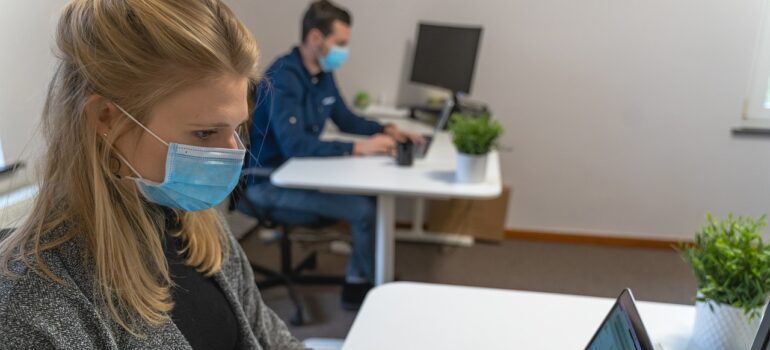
(622, 329)
(762, 340)
(421, 150)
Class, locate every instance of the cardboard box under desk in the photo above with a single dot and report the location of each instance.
(484, 219)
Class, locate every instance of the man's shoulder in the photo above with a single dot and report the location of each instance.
(287, 63)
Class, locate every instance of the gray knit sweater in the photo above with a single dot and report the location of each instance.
(36, 313)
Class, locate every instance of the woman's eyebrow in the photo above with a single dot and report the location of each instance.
(212, 125)
(219, 124)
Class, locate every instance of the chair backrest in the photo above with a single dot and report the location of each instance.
(268, 216)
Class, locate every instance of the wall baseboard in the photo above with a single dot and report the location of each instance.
(583, 238)
(604, 240)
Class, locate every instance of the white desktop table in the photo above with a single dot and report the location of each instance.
(406, 316)
(430, 177)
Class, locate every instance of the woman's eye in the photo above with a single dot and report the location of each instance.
(204, 134)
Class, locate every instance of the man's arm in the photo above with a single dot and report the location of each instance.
(349, 122)
(287, 122)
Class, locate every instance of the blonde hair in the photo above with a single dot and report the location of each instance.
(135, 53)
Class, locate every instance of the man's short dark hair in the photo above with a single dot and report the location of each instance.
(321, 15)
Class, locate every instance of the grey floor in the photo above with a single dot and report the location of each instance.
(652, 274)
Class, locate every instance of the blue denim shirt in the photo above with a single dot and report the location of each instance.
(292, 107)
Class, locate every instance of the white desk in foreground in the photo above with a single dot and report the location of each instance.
(430, 177)
(417, 316)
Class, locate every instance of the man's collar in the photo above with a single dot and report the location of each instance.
(297, 55)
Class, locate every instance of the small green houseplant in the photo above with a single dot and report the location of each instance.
(732, 266)
(361, 101)
(474, 138)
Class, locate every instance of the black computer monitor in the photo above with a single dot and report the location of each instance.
(445, 56)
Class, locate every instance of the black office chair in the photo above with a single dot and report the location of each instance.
(284, 221)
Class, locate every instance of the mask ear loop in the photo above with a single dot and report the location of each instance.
(248, 151)
(257, 163)
(145, 129)
(241, 146)
(129, 166)
(140, 124)
(122, 159)
(253, 157)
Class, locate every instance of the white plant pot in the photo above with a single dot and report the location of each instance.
(471, 168)
(725, 327)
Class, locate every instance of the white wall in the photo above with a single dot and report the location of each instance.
(26, 66)
(618, 112)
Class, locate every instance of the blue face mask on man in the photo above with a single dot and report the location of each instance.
(334, 59)
(197, 178)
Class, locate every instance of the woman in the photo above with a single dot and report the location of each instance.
(122, 249)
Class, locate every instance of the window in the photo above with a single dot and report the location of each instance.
(757, 104)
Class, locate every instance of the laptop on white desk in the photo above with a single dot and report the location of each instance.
(421, 150)
(762, 340)
(622, 329)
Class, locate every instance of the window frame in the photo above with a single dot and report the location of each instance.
(756, 109)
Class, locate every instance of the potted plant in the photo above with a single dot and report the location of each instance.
(474, 137)
(361, 101)
(732, 267)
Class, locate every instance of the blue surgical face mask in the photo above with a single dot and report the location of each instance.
(334, 59)
(197, 178)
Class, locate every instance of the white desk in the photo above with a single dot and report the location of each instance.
(383, 112)
(430, 177)
(408, 316)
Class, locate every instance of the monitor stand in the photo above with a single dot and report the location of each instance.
(432, 113)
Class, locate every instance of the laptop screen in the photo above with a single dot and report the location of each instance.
(616, 333)
(762, 340)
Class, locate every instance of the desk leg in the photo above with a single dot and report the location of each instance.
(385, 244)
(418, 234)
(418, 217)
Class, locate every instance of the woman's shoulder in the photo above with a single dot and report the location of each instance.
(27, 282)
(27, 288)
(33, 306)
(37, 312)
(30, 304)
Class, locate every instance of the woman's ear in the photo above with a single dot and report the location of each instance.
(101, 113)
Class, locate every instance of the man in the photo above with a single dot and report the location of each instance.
(296, 97)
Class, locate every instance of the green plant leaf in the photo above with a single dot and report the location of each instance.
(474, 135)
(731, 262)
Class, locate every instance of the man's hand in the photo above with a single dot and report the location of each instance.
(377, 144)
(402, 136)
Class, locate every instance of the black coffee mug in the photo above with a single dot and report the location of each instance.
(405, 153)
